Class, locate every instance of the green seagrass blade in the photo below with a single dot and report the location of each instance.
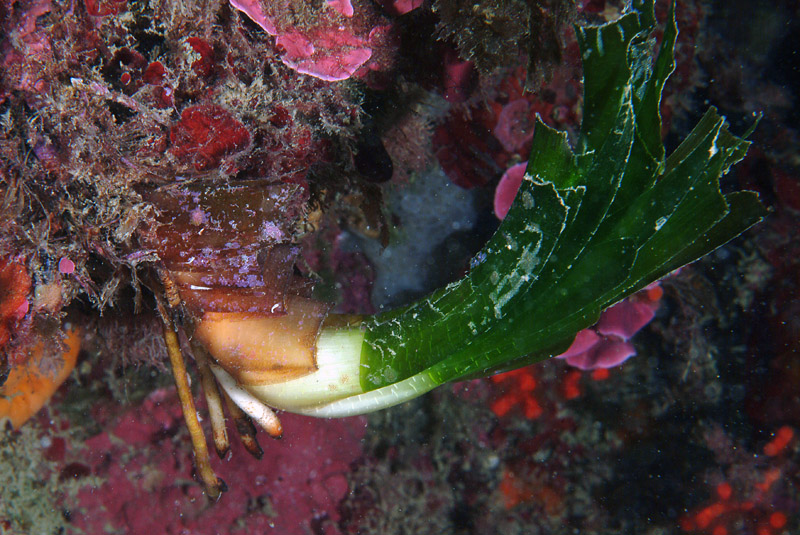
(589, 226)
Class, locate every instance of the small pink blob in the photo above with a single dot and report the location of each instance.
(66, 266)
(606, 353)
(507, 189)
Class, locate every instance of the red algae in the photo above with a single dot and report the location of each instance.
(520, 385)
(15, 285)
(206, 134)
(105, 8)
(781, 441)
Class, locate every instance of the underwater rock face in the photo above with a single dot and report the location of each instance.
(102, 101)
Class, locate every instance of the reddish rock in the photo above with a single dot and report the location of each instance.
(144, 463)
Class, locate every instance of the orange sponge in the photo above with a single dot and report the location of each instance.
(27, 388)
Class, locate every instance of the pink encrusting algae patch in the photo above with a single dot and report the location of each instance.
(336, 56)
(333, 50)
(625, 319)
(345, 7)
(253, 9)
(606, 353)
(606, 344)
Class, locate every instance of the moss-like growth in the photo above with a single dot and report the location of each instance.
(496, 33)
(106, 116)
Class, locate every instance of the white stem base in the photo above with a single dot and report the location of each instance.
(333, 390)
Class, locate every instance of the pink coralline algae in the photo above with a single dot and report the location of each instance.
(333, 50)
(253, 9)
(329, 55)
(345, 7)
(606, 344)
